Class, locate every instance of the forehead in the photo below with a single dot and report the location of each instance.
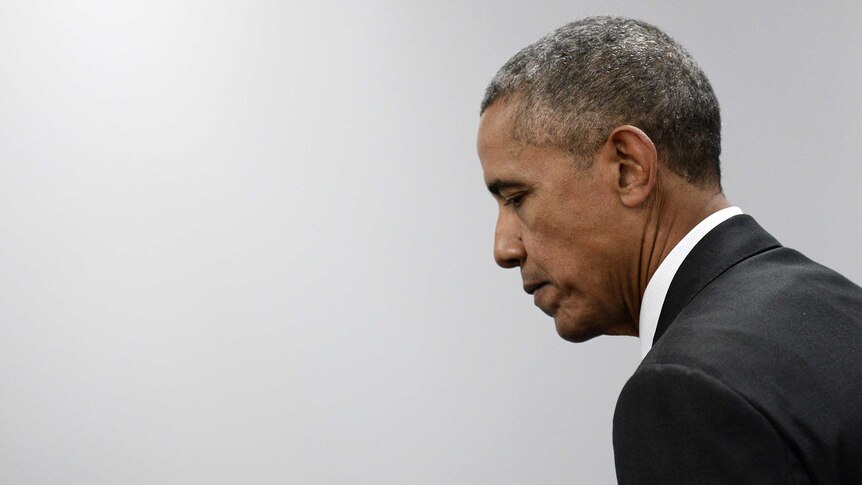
(498, 149)
(508, 160)
(496, 129)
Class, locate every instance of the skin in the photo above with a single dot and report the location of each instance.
(586, 239)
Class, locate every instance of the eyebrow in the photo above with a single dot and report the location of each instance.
(497, 186)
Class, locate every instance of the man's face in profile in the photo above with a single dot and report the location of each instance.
(557, 224)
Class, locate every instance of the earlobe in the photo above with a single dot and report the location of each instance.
(637, 161)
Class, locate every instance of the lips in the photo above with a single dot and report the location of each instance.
(533, 287)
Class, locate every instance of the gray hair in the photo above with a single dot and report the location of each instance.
(572, 87)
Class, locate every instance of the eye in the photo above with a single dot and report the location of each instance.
(514, 200)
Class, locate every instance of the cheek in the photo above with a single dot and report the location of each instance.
(576, 265)
(571, 243)
(564, 262)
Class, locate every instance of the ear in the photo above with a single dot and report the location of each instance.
(636, 161)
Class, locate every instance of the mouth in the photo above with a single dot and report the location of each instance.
(533, 287)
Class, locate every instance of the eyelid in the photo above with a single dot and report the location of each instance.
(513, 199)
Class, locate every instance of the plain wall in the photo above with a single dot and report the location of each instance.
(249, 242)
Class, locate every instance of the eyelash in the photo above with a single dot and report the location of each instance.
(514, 200)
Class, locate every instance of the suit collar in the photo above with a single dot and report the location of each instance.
(732, 241)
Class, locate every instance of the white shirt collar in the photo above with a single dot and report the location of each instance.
(657, 287)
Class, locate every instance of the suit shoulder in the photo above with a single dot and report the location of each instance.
(784, 334)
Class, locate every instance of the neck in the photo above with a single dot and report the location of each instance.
(676, 208)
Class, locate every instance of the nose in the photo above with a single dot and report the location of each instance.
(509, 249)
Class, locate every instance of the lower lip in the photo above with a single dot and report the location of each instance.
(536, 297)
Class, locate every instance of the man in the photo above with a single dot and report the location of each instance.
(601, 144)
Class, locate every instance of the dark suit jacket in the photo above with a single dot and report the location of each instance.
(755, 375)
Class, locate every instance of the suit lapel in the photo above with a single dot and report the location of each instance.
(732, 241)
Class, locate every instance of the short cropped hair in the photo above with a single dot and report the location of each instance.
(572, 87)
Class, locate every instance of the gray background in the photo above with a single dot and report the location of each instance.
(248, 242)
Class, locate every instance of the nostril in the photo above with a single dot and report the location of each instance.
(506, 261)
(508, 255)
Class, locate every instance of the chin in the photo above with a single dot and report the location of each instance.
(576, 333)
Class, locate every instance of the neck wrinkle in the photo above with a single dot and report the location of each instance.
(644, 267)
(656, 235)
